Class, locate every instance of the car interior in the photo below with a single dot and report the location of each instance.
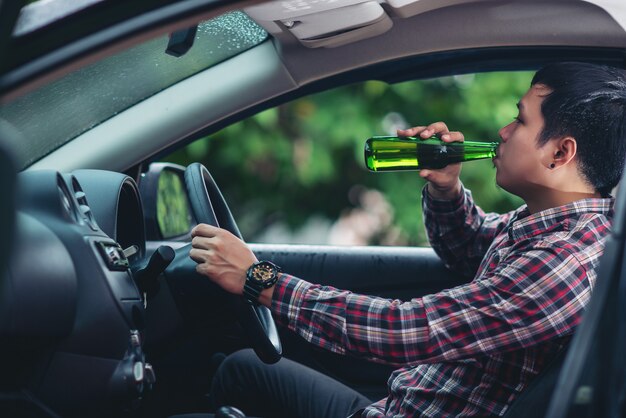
(102, 312)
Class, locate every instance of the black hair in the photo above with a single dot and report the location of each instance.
(588, 103)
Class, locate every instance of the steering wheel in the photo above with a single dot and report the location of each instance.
(209, 206)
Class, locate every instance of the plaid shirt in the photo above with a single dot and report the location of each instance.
(470, 350)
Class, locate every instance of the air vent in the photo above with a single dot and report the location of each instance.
(83, 207)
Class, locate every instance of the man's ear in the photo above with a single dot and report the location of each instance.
(564, 151)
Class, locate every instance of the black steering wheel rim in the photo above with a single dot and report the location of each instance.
(209, 206)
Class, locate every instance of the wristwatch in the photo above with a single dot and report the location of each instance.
(260, 276)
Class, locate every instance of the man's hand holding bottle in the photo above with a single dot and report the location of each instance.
(443, 183)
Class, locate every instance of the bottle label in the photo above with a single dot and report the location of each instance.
(438, 155)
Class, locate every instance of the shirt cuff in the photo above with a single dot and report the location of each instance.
(289, 292)
(442, 206)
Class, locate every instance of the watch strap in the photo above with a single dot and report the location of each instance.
(251, 293)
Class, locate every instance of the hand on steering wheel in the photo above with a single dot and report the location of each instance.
(221, 256)
(209, 207)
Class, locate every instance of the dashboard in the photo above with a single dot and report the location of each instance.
(82, 300)
(70, 299)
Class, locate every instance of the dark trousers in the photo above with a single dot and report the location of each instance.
(285, 389)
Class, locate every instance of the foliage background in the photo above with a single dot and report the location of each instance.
(295, 172)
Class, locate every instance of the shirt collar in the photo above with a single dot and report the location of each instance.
(525, 225)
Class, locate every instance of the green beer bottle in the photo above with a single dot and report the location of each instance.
(392, 153)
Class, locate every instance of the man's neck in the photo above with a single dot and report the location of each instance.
(555, 199)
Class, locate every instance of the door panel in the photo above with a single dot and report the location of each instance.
(393, 272)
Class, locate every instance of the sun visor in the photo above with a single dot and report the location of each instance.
(331, 23)
(340, 26)
(322, 23)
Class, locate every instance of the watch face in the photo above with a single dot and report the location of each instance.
(259, 276)
(264, 272)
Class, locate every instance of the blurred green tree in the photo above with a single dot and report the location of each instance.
(303, 159)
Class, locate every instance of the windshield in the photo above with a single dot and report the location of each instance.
(49, 117)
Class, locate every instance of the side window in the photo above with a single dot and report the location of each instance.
(296, 173)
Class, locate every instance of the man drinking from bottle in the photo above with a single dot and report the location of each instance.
(470, 350)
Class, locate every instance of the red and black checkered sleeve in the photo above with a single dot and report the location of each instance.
(533, 296)
(459, 231)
